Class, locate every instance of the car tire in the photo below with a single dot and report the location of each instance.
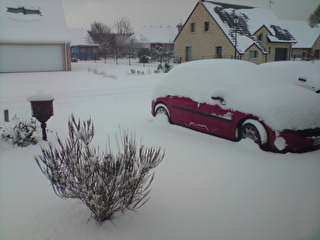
(161, 111)
(248, 130)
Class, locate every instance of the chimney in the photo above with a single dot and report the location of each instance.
(179, 27)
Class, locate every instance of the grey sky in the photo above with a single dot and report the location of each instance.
(80, 13)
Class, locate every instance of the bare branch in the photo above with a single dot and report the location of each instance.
(105, 182)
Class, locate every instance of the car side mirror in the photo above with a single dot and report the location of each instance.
(219, 99)
(302, 79)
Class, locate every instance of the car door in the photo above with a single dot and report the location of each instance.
(183, 110)
(214, 119)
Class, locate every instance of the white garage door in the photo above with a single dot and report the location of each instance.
(31, 58)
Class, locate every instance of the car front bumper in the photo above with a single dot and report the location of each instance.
(301, 141)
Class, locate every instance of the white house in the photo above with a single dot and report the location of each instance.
(33, 36)
(308, 40)
(154, 36)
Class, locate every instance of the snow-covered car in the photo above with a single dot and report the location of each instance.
(233, 100)
(301, 73)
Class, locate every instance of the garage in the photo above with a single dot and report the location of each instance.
(281, 54)
(33, 36)
(31, 57)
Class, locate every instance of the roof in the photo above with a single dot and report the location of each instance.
(230, 5)
(32, 21)
(250, 19)
(157, 34)
(304, 34)
(80, 37)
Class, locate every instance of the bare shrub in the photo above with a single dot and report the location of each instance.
(106, 182)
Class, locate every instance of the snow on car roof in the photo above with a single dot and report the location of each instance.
(246, 88)
(32, 21)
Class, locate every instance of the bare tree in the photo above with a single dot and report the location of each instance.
(106, 182)
(102, 35)
(124, 31)
(314, 18)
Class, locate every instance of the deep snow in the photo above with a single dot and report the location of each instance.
(206, 187)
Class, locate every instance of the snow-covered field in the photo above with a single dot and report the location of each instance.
(206, 187)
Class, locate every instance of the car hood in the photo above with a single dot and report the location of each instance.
(284, 107)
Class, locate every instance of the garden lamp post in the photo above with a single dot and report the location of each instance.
(42, 110)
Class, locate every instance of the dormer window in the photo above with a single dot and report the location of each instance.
(24, 11)
(260, 37)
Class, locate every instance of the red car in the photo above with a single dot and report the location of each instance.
(224, 98)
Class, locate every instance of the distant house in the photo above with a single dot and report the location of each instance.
(82, 47)
(33, 36)
(157, 37)
(308, 40)
(220, 30)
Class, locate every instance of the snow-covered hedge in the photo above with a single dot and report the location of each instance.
(106, 182)
(19, 132)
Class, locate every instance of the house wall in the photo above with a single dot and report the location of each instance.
(68, 57)
(264, 31)
(270, 47)
(316, 47)
(273, 46)
(84, 53)
(300, 53)
(307, 53)
(203, 43)
(163, 46)
(261, 58)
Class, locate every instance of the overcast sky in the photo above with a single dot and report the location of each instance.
(81, 13)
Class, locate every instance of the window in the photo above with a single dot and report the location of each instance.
(206, 26)
(193, 27)
(253, 54)
(188, 56)
(269, 50)
(260, 36)
(219, 51)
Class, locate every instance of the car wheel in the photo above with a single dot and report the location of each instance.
(162, 113)
(248, 130)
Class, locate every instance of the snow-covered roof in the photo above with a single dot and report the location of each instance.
(250, 19)
(80, 37)
(303, 33)
(157, 34)
(32, 21)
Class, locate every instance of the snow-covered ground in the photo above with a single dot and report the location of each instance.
(206, 187)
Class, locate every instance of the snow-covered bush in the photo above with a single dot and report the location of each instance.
(19, 132)
(106, 182)
(167, 67)
(163, 68)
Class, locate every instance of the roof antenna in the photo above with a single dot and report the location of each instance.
(270, 3)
